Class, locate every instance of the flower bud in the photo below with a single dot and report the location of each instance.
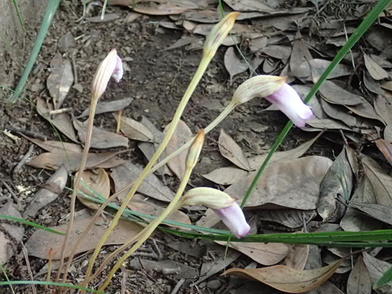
(258, 86)
(288, 101)
(111, 66)
(195, 149)
(209, 197)
(233, 217)
(219, 32)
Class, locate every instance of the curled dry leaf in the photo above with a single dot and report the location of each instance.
(60, 79)
(376, 71)
(233, 64)
(386, 148)
(286, 279)
(101, 139)
(42, 244)
(93, 183)
(110, 106)
(291, 183)
(48, 193)
(61, 121)
(181, 135)
(232, 151)
(134, 130)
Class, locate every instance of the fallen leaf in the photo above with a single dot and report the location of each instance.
(14, 230)
(248, 5)
(364, 109)
(93, 183)
(386, 148)
(286, 279)
(181, 135)
(71, 160)
(110, 106)
(291, 183)
(100, 139)
(380, 181)
(383, 108)
(327, 288)
(56, 146)
(332, 93)
(297, 256)
(232, 151)
(278, 51)
(6, 249)
(371, 84)
(66, 42)
(134, 130)
(61, 121)
(290, 218)
(164, 8)
(233, 64)
(337, 182)
(359, 280)
(126, 173)
(326, 124)
(202, 16)
(387, 85)
(318, 66)
(300, 57)
(377, 211)
(226, 175)
(48, 193)
(42, 243)
(377, 268)
(376, 71)
(263, 253)
(60, 79)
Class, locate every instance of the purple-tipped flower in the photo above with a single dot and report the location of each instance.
(233, 217)
(111, 66)
(289, 102)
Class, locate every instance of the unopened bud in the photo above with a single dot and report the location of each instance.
(195, 149)
(208, 197)
(111, 66)
(258, 86)
(219, 32)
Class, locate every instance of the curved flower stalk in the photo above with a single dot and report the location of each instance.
(223, 205)
(288, 101)
(111, 66)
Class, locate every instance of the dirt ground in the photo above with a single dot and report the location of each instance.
(156, 79)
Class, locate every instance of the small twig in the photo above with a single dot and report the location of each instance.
(16, 199)
(28, 133)
(60, 111)
(124, 281)
(157, 250)
(23, 160)
(178, 286)
(26, 257)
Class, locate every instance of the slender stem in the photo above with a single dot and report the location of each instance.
(90, 125)
(147, 231)
(147, 170)
(225, 112)
(354, 38)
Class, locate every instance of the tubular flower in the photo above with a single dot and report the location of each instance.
(111, 66)
(224, 206)
(289, 102)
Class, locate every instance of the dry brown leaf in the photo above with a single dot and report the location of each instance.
(226, 175)
(297, 256)
(126, 173)
(93, 183)
(108, 106)
(327, 288)
(13, 229)
(359, 280)
(233, 64)
(386, 148)
(165, 8)
(232, 151)
(278, 51)
(61, 121)
(318, 66)
(326, 124)
(291, 183)
(376, 71)
(263, 253)
(290, 218)
(56, 146)
(376, 211)
(202, 16)
(383, 107)
(387, 85)
(71, 160)
(134, 130)
(300, 57)
(48, 193)
(248, 5)
(6, 248)
(377, 268)
(332, 93)
(181, 135)
(286, 279)
(45, 245)
(60, 79)
(100, 139)
(364, 109)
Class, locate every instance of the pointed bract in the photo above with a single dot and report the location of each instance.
(289, 102)
(209, 197)
(234, 218)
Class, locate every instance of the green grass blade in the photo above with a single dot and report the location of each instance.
(47, 20)
(354, 38)
(385, 279)
(29, 223)
(49, 283)
(19, 14)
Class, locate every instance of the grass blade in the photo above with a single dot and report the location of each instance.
(29, 223)
(385, 279)
(48, 283)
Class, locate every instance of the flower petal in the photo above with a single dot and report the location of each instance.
(288, 101)
(234, 218)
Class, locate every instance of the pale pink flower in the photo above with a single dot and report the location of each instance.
(289, 102)
(234, 218)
